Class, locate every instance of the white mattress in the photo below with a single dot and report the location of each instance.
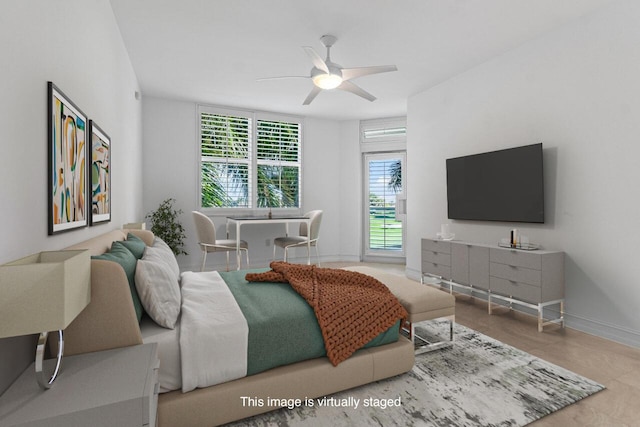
(168, 340)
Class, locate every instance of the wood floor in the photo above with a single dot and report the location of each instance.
(614, 365)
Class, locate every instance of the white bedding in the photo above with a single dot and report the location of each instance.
(213, 332)
(168, 340)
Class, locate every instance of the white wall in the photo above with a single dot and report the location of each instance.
(77, 45)
(171, 170)
(576, 90)
(350, 191)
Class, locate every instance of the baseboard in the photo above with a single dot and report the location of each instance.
(604, 330)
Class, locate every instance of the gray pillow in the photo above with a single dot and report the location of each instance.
(135, 244)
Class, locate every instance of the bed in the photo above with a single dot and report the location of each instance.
(111, 321)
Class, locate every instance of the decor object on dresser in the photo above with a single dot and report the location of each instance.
(116, 387)
(166, 225)
(41, 293)
(210, 243)
(100, 174)
(305, 238)
(532, 279)
(67, 171)
(445, 233)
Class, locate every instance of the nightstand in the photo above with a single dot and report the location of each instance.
(116, 387)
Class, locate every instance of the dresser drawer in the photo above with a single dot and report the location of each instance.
(436, 257)
(517, 290)
(516, 258)
(441, 270)
(516, 274)
(436, 246)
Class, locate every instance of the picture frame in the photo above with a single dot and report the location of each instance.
(99, 175)
(67, 170)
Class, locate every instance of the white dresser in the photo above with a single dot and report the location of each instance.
(107, 388)
(533, 279)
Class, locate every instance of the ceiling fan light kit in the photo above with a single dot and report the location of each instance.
(327, 75)
(327, 81)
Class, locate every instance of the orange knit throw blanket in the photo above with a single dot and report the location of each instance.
(352, 308)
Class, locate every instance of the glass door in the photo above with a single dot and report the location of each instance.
(384, 231)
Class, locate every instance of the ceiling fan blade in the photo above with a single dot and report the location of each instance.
(317, 60)
(314, 92)
(282, 77)
(353, 88)
(352, 73)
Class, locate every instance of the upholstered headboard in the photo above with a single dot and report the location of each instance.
(109, 321)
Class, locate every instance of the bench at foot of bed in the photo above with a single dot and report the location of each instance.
(422, 302)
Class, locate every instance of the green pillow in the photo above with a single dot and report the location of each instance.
(135, 244)
(123, 256)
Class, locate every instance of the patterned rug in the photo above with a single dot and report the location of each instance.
(478, 381)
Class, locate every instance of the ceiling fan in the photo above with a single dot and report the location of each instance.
(327, 75)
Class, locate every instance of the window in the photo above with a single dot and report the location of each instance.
(383, 183)
(249, 160)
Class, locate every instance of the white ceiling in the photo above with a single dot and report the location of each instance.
(212, 51)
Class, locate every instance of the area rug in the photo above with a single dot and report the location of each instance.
(478, 381)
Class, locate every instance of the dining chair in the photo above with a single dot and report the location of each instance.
(209, 243)
(305, 238)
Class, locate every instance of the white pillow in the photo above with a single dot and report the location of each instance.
(159, 292)
(162, 253)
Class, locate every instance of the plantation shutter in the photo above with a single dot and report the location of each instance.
(225, 148)
(383, 130)
(278, 163)
(386, 133)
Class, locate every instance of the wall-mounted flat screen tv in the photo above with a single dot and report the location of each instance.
(505, 185)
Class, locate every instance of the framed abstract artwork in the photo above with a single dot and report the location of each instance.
(99, 175)
(68, 179)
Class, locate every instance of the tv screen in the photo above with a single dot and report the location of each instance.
(505, 185)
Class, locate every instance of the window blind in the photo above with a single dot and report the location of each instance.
(225, 160)
(383, 130)
(249, 161)
(278, 163)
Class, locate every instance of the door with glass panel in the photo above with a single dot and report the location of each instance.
(384, 231)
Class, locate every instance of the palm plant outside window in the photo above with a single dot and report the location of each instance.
(249, 161)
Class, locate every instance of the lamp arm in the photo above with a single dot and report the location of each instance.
(42, 342)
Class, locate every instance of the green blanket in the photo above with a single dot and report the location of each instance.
(282, 326)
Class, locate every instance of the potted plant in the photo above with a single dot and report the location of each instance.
(165, 225)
